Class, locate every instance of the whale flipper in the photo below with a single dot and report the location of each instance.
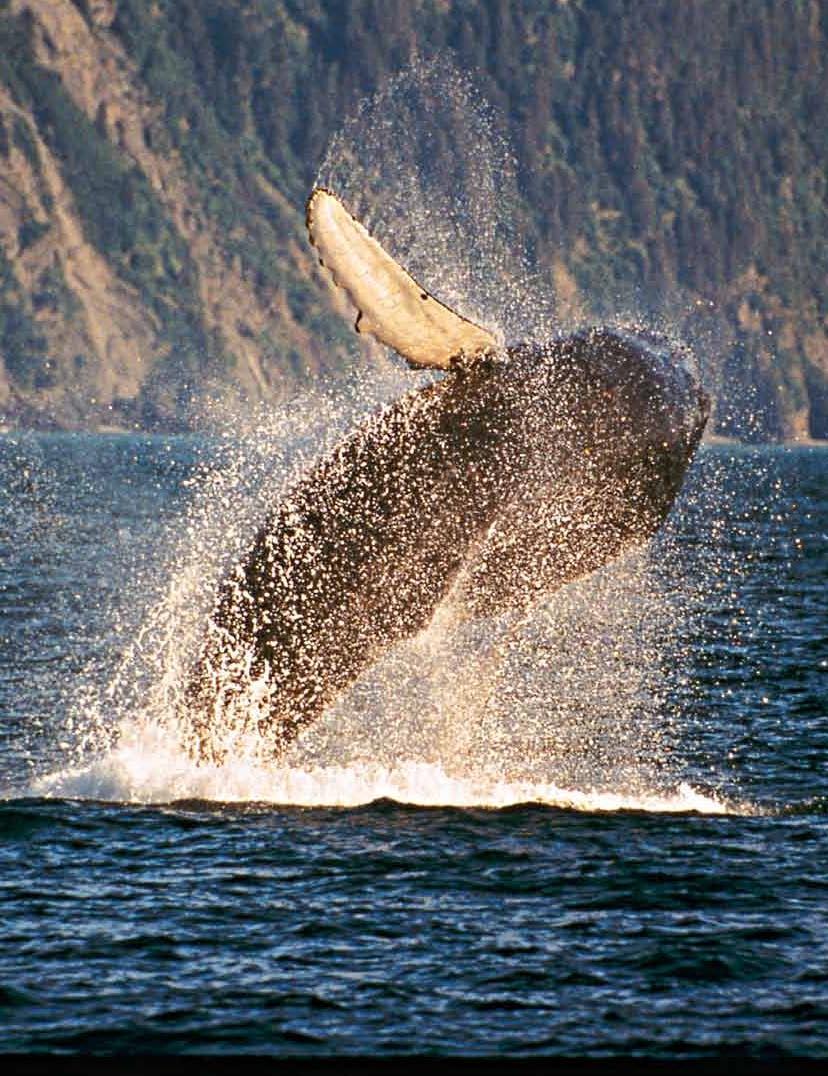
(392, 306)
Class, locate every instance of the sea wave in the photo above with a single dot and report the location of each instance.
(153, 771)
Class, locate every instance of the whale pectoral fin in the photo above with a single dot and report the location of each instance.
(392, 306)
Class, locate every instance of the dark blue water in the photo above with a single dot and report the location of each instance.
(147, 906)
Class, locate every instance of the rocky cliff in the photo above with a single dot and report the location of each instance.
(155, 154)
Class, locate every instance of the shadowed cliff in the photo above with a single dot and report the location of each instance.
(154, 158)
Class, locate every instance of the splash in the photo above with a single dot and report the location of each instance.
(573, 705)
(565, 707)
(244, 465)
(153, 770)
(425, 165)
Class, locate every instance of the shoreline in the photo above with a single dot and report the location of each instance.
(106, 430)
(717, 439)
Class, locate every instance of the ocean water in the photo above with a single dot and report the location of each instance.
(602, 830)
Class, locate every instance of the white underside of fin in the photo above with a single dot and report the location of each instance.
(392, 306)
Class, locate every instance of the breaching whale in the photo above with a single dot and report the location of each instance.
(523, 468)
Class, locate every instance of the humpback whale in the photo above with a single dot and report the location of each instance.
(524, 467)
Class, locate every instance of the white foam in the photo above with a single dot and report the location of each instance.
(152, 770)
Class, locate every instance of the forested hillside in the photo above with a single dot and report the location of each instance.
(155, 156)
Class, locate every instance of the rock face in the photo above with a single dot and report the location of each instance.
(122, 296)
(155, 156)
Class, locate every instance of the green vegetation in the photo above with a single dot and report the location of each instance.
(672, 155)
(121, 216)
(20, 340)
(684, 142)
(30, 231)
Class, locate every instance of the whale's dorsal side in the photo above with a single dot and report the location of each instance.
(486, 489)
(392, 306)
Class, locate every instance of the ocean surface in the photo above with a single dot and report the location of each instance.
(601, 830)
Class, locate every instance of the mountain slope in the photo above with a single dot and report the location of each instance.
(155, 156)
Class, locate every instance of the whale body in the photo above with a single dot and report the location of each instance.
(498, 484)
(522, 469)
